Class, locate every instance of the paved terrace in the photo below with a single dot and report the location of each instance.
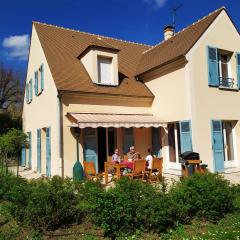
(232, 175)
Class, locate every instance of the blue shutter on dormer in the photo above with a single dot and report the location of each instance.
(185, 136)
(213, 75)
(42, 77)
(36, 82)
(238, 69)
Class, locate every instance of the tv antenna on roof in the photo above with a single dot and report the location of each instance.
(174, 13)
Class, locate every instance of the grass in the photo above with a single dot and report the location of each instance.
(227, 228)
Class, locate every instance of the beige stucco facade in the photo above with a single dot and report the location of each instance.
(180, 93)
(210, 103)
(43, 111)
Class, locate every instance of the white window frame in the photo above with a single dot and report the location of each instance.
(174, 165)
(111, 83)
(229, 163)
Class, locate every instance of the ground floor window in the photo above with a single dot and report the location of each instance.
(174, 142)
(228, 140)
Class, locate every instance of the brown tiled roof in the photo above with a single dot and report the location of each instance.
(176, 46)
(101, 44)
(62, 47)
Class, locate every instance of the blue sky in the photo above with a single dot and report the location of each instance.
(135, 20)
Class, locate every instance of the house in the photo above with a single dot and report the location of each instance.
(98, 93)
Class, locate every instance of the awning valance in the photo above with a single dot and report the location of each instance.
(95, 120)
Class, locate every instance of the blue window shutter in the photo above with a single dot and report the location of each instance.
(27, 93)
(90, 146)
(128, 140)
(213, 75)
(217, 145)
(238, 69)
(42, 77)
(23, 158)
(39, 150)
(36, 82)
(30, 150)
(156, 142)
(48, 152)
(30, 90)
(185, 136)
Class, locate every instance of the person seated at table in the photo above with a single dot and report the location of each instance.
(149, 158)
(116, 156)
(132, 155)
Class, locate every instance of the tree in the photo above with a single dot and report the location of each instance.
(11, 144)
(7, 121)
(11, 90)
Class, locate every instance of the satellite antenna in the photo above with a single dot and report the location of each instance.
(174, 14)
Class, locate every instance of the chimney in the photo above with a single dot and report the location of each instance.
(168, 32)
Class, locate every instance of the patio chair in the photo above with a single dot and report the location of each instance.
(109, 158)
(139, 167)
(156, 170)
(90, 171)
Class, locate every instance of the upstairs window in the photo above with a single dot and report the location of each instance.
(224, 69)
(29, 91)
(39, 80)
(105, 70)
(219, 68)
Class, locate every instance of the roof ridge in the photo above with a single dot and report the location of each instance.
(97, 35)
(99, 39)
(201, 19)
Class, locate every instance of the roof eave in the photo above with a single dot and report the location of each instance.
(97, 47)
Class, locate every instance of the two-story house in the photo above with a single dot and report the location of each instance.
(182, 94)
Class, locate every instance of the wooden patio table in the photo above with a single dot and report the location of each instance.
(117, 166)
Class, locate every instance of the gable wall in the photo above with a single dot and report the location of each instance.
(209, 103)
(43, 110)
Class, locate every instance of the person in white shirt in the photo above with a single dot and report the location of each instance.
(149, 158)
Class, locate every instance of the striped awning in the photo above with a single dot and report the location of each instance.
(95, 120)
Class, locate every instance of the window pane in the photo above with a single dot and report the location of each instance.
(224, 70)
(104, 70)
(171, 143)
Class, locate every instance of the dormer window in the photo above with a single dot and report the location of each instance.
(100, 59)
(105, 70)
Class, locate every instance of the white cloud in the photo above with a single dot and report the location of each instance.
(157, 3)
(17, 46)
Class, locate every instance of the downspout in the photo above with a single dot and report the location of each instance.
(60, 135)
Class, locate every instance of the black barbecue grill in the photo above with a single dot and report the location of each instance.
(188, 167)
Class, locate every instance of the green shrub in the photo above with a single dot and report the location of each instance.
(130, 206)
(207, 196)
(52, 203)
